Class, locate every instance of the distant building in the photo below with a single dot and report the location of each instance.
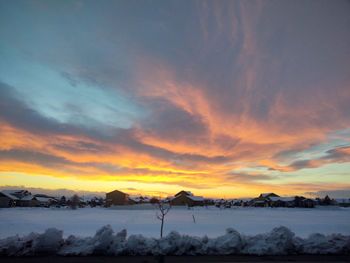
(17, 193)
(93, 201)
(274, 200)
(27, 201)
(138, 199)
(117, 198)
(21, 198)
(301, 201)
(186, 198)
(259, 202)
(263, 200)
(326, 201)
(7, 199)
(45, 200)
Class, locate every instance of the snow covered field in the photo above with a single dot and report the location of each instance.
(142, 220)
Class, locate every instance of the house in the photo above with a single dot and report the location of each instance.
(301, 201)
(27, 201)
(196, 200)
(274, 200)
(138, 199)
(21, 198)
(17, 193)
(186, 198)
(259, 202)
(45, 200)
(327, 201)
(133, 200)
(94, 201)
(219, 202)
(117, 198)
(7, 199)
(270, 199)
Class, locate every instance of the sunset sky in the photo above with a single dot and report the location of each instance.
(222, 98)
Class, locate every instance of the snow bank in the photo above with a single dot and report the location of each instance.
(279, 241)
(49, 242)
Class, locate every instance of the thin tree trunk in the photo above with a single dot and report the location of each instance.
(161, 228)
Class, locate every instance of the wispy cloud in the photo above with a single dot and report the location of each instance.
(191, 100)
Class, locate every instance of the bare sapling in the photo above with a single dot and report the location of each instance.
(164, 209)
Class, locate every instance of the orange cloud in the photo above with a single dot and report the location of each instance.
(229, 97)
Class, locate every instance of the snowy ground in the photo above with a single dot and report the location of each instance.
(142, 220)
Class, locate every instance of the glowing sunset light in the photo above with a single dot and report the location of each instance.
(224, 99)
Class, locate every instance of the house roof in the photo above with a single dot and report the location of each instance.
(196, 198)
(9, 194)
(45, 196)
(44, 199)
(20, 194)
(188, 193)
(267, 194)
(135, 198)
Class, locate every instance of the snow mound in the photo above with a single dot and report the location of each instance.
(279, 241)
(103, 243)
(321, 244)
(230, 243)
(176, 244)
(47, 243)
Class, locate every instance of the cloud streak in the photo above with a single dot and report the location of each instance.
(229, 94)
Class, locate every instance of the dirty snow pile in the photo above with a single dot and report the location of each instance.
(279, 241)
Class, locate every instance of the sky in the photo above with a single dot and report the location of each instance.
(222, 98)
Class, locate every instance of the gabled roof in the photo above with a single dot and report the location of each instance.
(268, 194)
(9, 194)
(20, 194)
(188, 193)
(44, 199)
